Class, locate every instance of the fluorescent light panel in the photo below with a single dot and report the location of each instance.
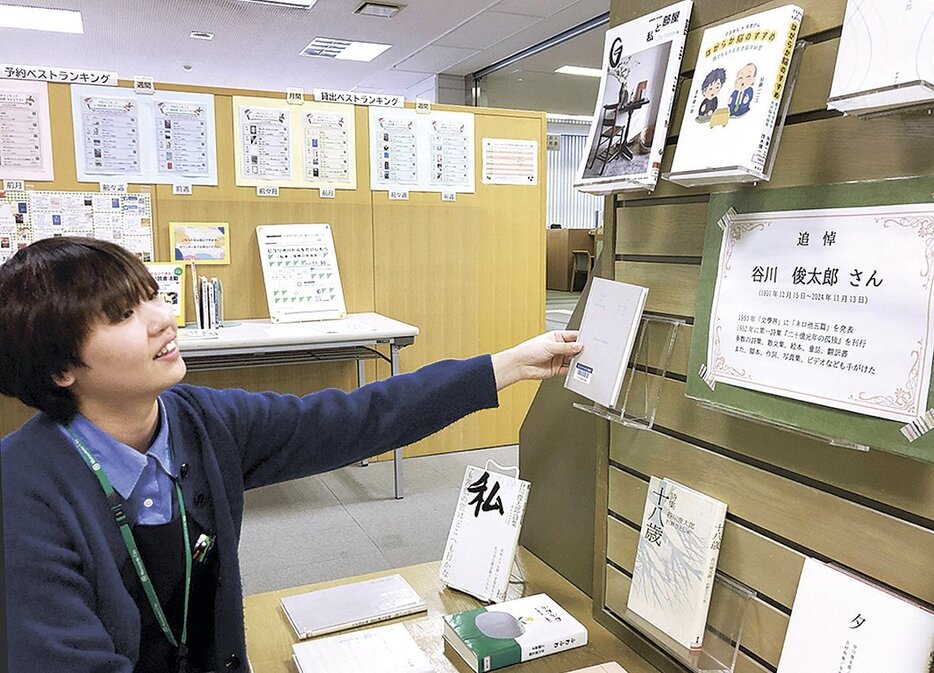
(39, 18)
(345, 50)
(579, 70)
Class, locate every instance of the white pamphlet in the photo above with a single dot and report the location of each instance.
(384, 649)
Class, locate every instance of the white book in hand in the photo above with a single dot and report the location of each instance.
(481, 544)
(347, 606)
(384, 649)
(840, 622)
(676, 560)
(608, 331)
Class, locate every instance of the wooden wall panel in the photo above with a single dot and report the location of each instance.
(675, 230)
(446, 267)
(672, 287)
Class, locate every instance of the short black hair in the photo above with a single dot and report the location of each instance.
(713, 76)
(52, 293)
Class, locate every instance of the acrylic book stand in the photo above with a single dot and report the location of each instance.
(642, 384)
(728, 609)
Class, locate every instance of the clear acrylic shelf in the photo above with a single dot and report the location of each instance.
(764, 420)
(642, 384)
(729, 605)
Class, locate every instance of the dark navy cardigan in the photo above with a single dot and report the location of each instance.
(68, 610)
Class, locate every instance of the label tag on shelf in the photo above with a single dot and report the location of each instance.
(267, 190)
(449, 196)
(113, 188)
(327, 193)
(294, 96)
(182, 189)
(14, 185)
(144, 85)
(398, 194)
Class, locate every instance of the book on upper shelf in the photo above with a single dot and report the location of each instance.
(676, 560)
(886, 56)
(347, 606)
(840, 622)
(512, 632)
(384, 649)
(641, 66)
(481, 544)
(735, 100)
(608, 331)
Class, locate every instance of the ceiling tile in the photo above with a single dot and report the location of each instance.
(485, 29)
(535, 7)
(393, 80)
(433, 59)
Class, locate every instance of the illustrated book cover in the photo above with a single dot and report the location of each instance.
(347, 606)
(735, 98)
(840, 622)
(481, 544)
(608, 330)
(512, 632)
(641, 65)
(676, 560)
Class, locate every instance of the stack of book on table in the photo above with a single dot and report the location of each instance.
(512, 632)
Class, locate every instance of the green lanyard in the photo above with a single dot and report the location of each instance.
(116, 506)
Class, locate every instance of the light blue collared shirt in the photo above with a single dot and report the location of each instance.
(143, 480)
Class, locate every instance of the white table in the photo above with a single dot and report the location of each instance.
(262, 343)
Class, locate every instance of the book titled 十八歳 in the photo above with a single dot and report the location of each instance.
(512, 632)
(481, 544)
(383, 649)
(886, 56)
(607, 332)
(676, 560)
(347, 606)
(840, 622)
(735, 98)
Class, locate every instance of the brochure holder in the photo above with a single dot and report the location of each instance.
(744, 174)
(763, 420)
(729, 605)
(642, 384)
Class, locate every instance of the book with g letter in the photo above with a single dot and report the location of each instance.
(512, 632)
(608, 331)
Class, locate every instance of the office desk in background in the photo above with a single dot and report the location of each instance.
(262, 343)
(269, 636)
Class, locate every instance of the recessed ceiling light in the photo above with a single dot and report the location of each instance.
(380, 9)
(38, 18)
(201, 35)
(344, 50)
(579, 70)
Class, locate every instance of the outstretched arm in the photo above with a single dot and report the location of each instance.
(538, 358)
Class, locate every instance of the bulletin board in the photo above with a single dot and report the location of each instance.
(835, 425)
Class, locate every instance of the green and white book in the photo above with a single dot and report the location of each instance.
(512, 632)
